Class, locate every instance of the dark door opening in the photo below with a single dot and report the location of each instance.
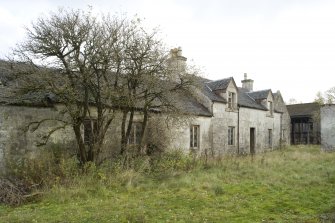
(252, 140)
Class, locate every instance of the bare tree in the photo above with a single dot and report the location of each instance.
(292, 101)
(95, 67)
(328, 97)
(152, 81)
(319, 98)
(78, 51)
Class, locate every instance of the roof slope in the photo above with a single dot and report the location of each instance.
(299, 110)
(219, 84)
(211, 95)
(183, 101)
(8, 88)
(257, 95)
(188, 104)
(244, 100)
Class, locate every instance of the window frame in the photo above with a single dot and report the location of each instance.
(270, 107)
(231, 100)
(135, 133)
(231, 135)
(195, 138)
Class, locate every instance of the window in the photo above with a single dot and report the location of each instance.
(270, 104)
(231, 100)
(270, 138)
(135, 133)
(195, 135)
(90, 128)
(283, 132)
(231, 135)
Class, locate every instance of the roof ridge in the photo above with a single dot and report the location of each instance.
(260, 91)
(219, 80)
(304, 103)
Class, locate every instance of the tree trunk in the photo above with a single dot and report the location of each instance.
(144, 125)
(123, 132)
(130, 123)
(81, 146)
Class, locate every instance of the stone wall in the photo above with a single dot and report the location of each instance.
(169, 133)
(261, 122)
(328, 127)
(179, 133)
(16, 140)
(280, 106)
(221, 120)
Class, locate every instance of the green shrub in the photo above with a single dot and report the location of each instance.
(42, 168)
(171, 162)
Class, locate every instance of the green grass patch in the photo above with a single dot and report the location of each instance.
(292, 185)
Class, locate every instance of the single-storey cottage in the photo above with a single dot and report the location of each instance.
(223, 118)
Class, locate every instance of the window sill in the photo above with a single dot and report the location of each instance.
(231, 110)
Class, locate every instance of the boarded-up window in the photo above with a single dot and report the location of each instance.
(194, 136)
(135, 133)
(270, 138)
(231, 135)
(90, 128)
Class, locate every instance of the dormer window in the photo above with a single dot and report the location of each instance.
(270, 107)
(231, 100)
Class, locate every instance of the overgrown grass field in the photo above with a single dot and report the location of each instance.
(296, 184)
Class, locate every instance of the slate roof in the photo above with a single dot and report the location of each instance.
(8, 88)
(257, 95)
(219, 84)
(245, 100)
(211, 95)
(5, 72)
(301, 110)
(185, 102)
(189, 105)
(39, 99)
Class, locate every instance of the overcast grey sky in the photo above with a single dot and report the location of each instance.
(286, 45)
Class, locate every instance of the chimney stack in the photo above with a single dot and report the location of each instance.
(247, 83)
(177, 54)
(177, 62)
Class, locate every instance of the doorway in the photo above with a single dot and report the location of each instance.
(252, 141)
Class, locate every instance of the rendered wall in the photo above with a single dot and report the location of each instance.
(262, 122)
(328, 127)
(221, 120)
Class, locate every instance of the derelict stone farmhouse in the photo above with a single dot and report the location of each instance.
(224, 118)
